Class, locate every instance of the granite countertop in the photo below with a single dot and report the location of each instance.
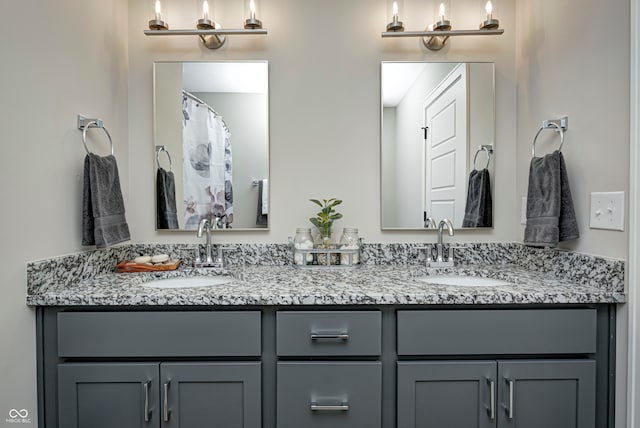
(285, 285)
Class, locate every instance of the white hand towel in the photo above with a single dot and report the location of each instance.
(265, 196)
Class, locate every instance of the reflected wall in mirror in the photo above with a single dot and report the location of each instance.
(211, 137)
(435, 116)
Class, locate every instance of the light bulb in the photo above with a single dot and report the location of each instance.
(441, 11)
(158, 9)
(395, 9)
(252, 9)
(205, 9)
(489, 9)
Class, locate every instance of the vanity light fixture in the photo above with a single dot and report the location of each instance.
(436, 35)
(395, 24)
(210, 32)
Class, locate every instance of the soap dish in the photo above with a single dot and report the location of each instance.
(131, 266)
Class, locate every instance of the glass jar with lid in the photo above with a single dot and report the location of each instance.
(350, 241)
(302, 241)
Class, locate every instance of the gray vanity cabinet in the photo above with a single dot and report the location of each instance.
(329, 394)
(357, 366)
(490, 394)
(107, 395)
(161, 369)
(168, 395)
(547, 393)
(197, 395)
(445, 394)
(324, 390)
(522, 392)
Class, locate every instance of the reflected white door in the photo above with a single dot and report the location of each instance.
(445, 115)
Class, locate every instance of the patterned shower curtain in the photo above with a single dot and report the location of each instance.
(206, 152)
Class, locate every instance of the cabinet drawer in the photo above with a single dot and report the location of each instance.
(158, 334)
(329, 394)
(328, 333)
(517, 331)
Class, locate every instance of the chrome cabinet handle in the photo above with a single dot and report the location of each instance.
(147, 414)
(342, 407)
(492, 399)
(166, 402)
(340, 336)
(510, 409)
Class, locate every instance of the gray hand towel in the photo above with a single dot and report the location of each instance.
(166, 211)
(478, 210)
(103, 220)
(568, 224)
(550, 214)
(261, 219)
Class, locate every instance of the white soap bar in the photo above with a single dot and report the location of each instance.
(142, 259)
(159, 258)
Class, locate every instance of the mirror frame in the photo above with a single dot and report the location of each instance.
(493, 167)
(268, 135)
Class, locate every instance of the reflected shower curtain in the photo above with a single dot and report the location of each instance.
(206, 152)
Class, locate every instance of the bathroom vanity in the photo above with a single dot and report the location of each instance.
(372, 347)
(379, 366)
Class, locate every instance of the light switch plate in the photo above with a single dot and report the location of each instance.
(523, 211)
(607, 210)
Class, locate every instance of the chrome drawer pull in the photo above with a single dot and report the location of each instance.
(343, 407)
(510, 409)
(492, 399)
(166, 402)
(147, 413)
(339, 336)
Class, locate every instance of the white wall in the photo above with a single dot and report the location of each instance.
(567, 66)
(168, 126)
(481, 116)
(77, 63)
(389, 200)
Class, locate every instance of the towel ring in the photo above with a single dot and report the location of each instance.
(84, 135)
(482, 149)
(558, 129)
(162, 149)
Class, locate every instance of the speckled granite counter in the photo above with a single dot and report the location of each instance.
(539, 277)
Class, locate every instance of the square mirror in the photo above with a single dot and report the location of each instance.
(211, 137)
(437, 140)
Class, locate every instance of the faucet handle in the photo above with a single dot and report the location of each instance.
(430, 251)
(450, 254)
(198, 259)
(430, 223)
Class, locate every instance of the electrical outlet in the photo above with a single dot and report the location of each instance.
(523, 211)
(607, 210)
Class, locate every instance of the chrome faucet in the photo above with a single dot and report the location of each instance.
(206, 226)
(438, 258)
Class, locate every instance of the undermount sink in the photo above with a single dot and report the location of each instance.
(188, 282)
(463, 281)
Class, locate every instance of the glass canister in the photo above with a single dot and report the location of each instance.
(302, 241)
(350, 241)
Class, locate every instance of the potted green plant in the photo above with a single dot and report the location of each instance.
(323, 221)
(325, 217)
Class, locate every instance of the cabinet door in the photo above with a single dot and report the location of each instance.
(329, 394)
(446, 394)
(119, 395)
(549, 394)
(196, 395)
